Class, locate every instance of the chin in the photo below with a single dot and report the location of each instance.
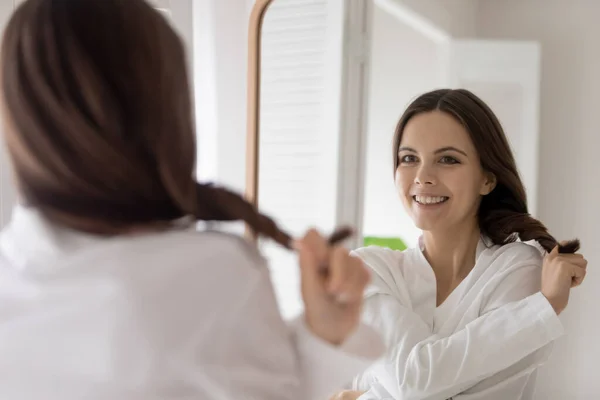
(426, 226)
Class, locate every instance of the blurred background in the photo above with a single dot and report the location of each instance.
(336, 76)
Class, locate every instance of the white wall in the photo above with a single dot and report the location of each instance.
(220, 74)
(7, 192)
(456, 17)
(181, 16)
(403, 65)
(230, 49)
(569, 186)
(220, 45)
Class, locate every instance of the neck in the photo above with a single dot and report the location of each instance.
(451, 253)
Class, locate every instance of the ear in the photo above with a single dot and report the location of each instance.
(489, 184)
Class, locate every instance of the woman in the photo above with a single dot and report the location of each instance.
(107, 291)
(471, 312)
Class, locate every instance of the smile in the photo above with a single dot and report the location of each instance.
(427, 200)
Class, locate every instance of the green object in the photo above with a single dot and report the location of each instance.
(391, 243)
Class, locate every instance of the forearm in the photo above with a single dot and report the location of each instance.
(421, 366)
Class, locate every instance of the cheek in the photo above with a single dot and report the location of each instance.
(464, 185)
(403, 180)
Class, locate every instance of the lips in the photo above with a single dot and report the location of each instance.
(430, 200)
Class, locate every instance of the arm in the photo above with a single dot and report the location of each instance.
(515, 286)
(421, 366)
(511, 383)
(507, 384)
(514, 324)
(376, 392)
(274, 360)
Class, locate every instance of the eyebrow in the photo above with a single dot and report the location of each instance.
(440, 150)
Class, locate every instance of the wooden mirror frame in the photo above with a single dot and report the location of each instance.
(253, 106)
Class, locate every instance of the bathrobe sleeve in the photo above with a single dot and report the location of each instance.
(273, 359)
(515, 322)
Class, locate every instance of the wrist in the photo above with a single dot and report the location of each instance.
(556, 305)
(323, 334)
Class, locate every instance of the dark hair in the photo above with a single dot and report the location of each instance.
(503, 215)
(99, 115)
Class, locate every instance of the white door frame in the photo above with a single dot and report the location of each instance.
(353, 117)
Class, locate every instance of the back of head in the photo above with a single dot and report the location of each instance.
(99, 118)
(98, 111)
(503, 214)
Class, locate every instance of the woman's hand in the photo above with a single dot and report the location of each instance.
(560, 273)
(347, 395)
(333, 283)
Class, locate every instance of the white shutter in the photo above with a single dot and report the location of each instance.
(299, 128)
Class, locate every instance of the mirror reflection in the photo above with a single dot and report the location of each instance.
(354, 128)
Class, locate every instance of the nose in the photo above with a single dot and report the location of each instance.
(425, 176)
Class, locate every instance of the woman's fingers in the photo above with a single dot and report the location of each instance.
(578, 275)
(317, 244)
(348, 276)
(578, 259)
(565, 261)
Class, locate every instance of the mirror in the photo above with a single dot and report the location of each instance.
(294, 140)
(329, 79)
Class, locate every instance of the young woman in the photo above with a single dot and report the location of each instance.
(471, 312)
(106, 289)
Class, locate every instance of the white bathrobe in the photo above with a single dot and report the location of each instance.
(173, 315)
(484, 342)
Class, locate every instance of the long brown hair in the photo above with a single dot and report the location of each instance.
(99, 114)
(503, 215)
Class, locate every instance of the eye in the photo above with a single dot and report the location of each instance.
(408, 159)
(449, 160)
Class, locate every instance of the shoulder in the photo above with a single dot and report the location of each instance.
(515, 255)
(188, 287)
(387, 266)
(516, 274)
(381, 256)
(212, 244)
(192, 272)
(196, 246)
(380, 259)
(210, 265)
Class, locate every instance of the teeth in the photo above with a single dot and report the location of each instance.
(430, 200)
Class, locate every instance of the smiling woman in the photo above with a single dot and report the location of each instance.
(438, 173)
(460, 129)
(467, 292)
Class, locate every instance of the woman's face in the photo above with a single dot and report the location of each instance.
(439, 176)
